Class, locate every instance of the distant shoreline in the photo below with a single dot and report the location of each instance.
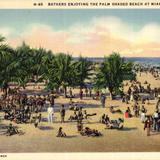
(153, 61)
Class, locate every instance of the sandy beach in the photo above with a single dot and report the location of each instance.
(43, 139)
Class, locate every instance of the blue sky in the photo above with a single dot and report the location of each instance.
(90, 32)
(64, 18)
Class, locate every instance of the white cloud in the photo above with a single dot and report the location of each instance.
(99, 35)
(6, 31)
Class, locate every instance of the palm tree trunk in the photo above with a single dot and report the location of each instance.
(24, 87)
(5, 91)
(65, 91)
(111, 93)
(57, 90)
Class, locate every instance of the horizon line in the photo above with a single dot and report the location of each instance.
(121, 56)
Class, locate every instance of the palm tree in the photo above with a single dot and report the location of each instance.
(83, 71)
(22, 64)
(6, 57)
(64, 71)
(48, 64)
(112, 73)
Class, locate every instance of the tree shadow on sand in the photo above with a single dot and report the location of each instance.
(44, 119)
(155, 133)
(83, 105)
(45, 128)
(3, 129)
(71, 136)
(129, 128)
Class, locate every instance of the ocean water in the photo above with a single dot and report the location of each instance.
(142, 60)
(145, 61)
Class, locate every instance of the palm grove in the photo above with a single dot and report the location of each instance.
(23, 64)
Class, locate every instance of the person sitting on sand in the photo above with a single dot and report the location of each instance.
(145, 82)
(73, 117)
(37, 120)
(61, 133)
(115, 124)
(127, 114)
(73, 107)
(102, 119)
(107, 119)
(7, 115)
(11, 130)
(79, 126)
(143, 109)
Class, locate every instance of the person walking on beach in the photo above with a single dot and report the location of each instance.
(70, 93)
(81, 94)
(103, 100)
(147, 125)
(47, 103)
(86, 91)
(155, 121)
(50, 111)
(52, 100)
(131, 96)
(62, 113)
(90, 92)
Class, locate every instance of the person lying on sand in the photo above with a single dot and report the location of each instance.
(90, 132)
(86, 115)
(112, 110)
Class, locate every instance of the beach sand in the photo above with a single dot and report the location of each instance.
(132, 139)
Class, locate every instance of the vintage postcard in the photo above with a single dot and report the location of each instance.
(79, 79)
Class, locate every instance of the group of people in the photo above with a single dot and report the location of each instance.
(90, 132)
(112, 124)
(21, 108)
(152, 122)
(134, 95)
